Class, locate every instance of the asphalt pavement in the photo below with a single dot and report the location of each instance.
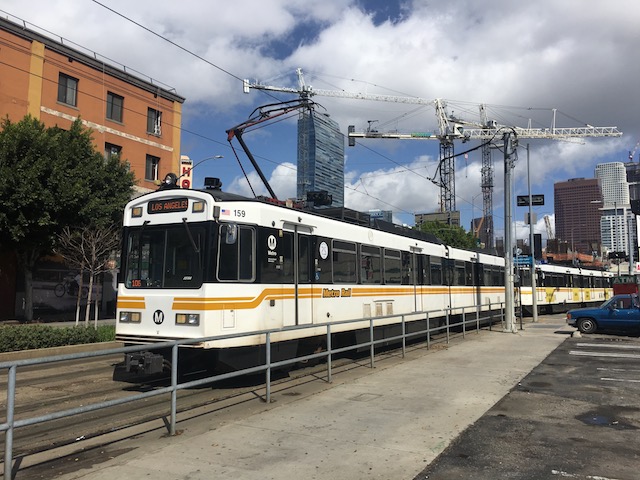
(495, 405)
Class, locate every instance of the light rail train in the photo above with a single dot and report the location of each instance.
(560, 288)
(202, 263)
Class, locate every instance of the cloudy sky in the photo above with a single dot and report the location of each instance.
(522, 59)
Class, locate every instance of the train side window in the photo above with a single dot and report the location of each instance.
(487, 271)
(468, 267)
(425, 268)
(322, 260)
(478, 270)
(448, 272)
(525, 277)
(344, 262)
(236, 260)
(275, 256)
(392, 266)
(406, 268)
(304, 259)
(436, 271)
(541, 282)
(498, 276)
(460, 274)
(370, 267)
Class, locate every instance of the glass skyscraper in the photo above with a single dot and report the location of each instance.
(320, 157)
(617, 224)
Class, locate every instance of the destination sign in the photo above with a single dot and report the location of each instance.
(168, 206)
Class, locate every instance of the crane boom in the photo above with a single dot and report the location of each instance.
(449, 129)
(490, 133)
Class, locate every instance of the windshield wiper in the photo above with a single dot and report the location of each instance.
(193, 243)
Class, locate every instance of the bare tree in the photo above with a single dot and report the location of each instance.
(88, 249)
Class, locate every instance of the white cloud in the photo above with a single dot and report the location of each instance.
(502, 53)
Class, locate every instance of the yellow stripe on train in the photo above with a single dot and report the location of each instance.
(288, 293)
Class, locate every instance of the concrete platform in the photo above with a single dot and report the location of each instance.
(389, 422)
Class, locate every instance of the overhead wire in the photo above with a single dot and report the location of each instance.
(203, 59)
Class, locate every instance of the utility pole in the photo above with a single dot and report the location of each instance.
(534, 296)
(509, 298)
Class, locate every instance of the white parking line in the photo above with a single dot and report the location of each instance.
(619, 380)
(574, 475)
(587, 353)
(608, 345)
(603, 369)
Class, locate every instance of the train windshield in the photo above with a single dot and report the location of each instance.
(164, 257)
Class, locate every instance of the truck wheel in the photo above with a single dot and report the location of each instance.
(587, 325)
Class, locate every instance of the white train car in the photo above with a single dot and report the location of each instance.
(202, 263)
(560, 288)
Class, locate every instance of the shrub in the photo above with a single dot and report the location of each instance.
(27, 337)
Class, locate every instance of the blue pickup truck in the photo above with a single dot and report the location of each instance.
(620, 312)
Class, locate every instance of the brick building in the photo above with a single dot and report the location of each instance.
(130, 117)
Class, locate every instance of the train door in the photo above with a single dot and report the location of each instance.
(416, 277)
(303, 255)
(298, 308)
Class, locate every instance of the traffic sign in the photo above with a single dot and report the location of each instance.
(523, 260)
(523, 200)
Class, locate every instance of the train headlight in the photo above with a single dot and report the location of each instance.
(188, 319)
(130, 317)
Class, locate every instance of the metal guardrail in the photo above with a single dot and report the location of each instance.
(494, 314)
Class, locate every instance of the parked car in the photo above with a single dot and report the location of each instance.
(620, 312)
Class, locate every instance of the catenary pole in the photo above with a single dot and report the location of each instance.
(534, 296)
(509, 298)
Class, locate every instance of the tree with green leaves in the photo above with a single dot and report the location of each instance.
(51, 178)
(451, 235)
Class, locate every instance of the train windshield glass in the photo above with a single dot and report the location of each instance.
(165, 257)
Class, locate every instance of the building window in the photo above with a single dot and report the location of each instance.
(111, 150)
(151, 168)
(68, 90)
(154, 121)
(114, 107)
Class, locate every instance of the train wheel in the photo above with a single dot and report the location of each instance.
(587, 325)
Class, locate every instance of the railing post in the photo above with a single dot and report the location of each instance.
(174, 389)
(448, 322)
(404, 338)
(428, 332)
(490, 317)
(478, 318)
(371, 349)
(329, 349)
(464, 323)
(268, 361)
(8, 436)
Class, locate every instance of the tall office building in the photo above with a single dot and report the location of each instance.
(633, 178)
(320, 156)
(577, 204)
(617, 221)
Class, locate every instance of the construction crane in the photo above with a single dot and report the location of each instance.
(448, 129)
(547, 224)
